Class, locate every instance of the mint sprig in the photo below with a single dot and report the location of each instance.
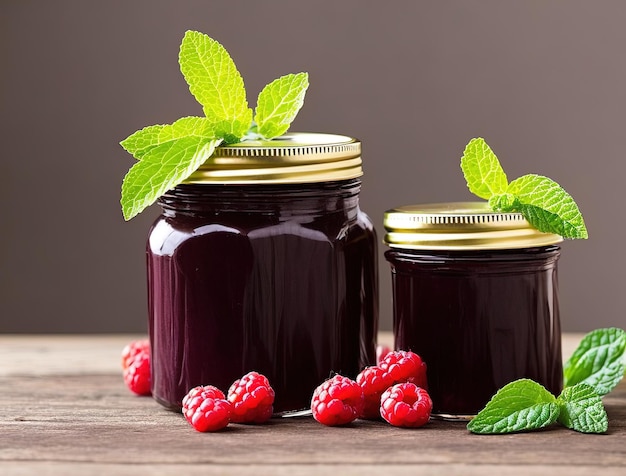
(542, 201)
(595, 368)
(170, 153)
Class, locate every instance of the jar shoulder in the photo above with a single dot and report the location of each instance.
(168, 234)
(364, 221)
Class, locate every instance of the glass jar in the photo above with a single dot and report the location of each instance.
(262, 260)
(475, 294)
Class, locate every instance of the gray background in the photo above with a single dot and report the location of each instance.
(543, 81)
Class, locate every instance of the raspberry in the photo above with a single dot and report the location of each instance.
(405, 366)
(252, 399)
(137, 374)
(206, 408)
(194, 397)
(337, 401)
(131, 350)
(406, 405)
(381, 352)
(373, 381)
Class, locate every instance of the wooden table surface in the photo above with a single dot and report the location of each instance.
(64, 409)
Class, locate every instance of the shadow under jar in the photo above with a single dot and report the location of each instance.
(475, 294)
(262, 260)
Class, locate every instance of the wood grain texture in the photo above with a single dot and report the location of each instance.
(68, 421)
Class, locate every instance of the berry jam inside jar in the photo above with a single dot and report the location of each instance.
(263, 261)
(475, 294)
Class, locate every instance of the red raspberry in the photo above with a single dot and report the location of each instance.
(252, 398)
(406, 405)
(381, 352)
(405, 366)
(337, 401)
(206, 409)
(194, 397)
(373, 381)
(137, 374)
(131, 350)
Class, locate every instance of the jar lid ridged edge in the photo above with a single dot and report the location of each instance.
(461, 226)
(295, 157)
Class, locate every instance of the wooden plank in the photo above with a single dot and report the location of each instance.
(62, 354)
(71, 421)
(85, 469)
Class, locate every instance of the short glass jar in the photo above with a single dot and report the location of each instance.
(262, 260)
(475, 294)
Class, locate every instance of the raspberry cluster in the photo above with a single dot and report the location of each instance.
(136, 366)
(395, 389)
(396, 372)
(250, 400)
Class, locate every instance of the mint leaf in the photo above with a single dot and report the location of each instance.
(162, 168)
(216, 83)
(598, 361)
(518, 406)
(482, 170)
(279, 103)
(581, 409)
(503, 202)
(547, 206)
(139, 143)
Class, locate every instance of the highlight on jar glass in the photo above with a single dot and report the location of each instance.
(262, 260)
(475, 294)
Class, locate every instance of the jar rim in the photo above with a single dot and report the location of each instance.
(461, 226)
(295, 157)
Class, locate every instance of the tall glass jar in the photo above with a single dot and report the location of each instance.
(475, 294)
(262, 260)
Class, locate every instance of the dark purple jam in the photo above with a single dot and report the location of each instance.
(479, 319)
(280, 279)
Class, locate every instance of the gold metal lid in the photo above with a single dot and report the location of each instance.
(461, 226)
(297, 157)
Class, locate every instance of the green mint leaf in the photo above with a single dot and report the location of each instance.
(162, 168)
(547, 206)
(232, 131)
(581, 409)
(521, 405)
(216, 83)
(142, 141)
(482, 170)
(279, 103)
(504, 202)
(598, 361)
